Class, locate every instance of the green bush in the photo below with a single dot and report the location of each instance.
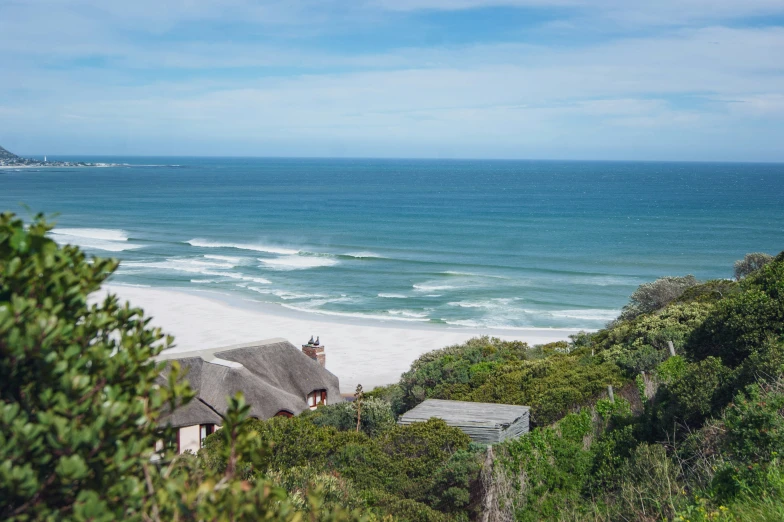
(650, 297)
(644, 359)
(751, 263)
(429, 463)
(741, 323)
(703, 389)
(376, 416)
(553, 386)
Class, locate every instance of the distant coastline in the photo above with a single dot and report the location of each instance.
(9, 160)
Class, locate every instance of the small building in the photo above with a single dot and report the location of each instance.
(484, 422)
(275, 377)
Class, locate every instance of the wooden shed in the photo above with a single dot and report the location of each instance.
(483, 422)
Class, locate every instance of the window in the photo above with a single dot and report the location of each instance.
(316, 398)
(204, 431)
(284, 413)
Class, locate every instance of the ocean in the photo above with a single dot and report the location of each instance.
(497, 244)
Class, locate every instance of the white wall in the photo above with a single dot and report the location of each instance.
(189, 439)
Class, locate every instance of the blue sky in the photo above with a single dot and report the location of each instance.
(557, 79)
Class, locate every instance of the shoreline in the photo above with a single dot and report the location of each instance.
(372, 352)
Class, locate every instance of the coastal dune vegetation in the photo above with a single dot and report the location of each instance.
(693, 431)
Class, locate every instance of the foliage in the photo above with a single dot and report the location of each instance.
(740, 323)
(643, 360)
(650, 297)
(73, 377)
(376, 416)
(548, 467)
(489, 370)
(674, 323)
(751, 263)
(701, 390)
(651, 486)
(392, 394)
(709, 291)
(81, 408)
(697, 449)
(456, 369)
(423, 468)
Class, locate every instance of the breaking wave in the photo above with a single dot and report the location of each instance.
(110, 240)
(204, 243)
(297, 262)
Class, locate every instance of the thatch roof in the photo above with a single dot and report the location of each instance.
(273, 375)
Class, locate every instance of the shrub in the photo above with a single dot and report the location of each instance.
(552, 387)
(704, 388)
(376, 416)
(643, 360)
(651, 488)
(755, 424)
(709, 291)
(751, 263)
(650, 297)
(548, 467)
(77, 433)
(454, 370)
(674, 323)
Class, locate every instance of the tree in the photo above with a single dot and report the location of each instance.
(751, 263)
(359, 396)
(650, 297)
(81, 408)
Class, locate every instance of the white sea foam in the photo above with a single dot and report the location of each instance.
(110, 240)
(107, 234)
(193, 266)
(180, 264)
(430, 287)
(228, 259)
(607, 280)
(499, 302)
(393, 296)
(471, 274)
(204, 243)
(588, 314)
(363, 255)
(283, 294)
(409, 313)
(355, 315)
(296, 262)
(203, 281)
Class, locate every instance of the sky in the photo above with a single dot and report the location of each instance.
(695, 80)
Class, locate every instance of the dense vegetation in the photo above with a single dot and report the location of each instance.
(693, 436)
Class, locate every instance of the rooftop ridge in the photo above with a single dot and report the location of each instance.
(208, 354)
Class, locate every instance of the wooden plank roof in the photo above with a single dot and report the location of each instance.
(466, 413)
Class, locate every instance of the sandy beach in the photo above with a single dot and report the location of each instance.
(362, 351)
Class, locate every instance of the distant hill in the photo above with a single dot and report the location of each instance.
(8, 156)
(9, 159)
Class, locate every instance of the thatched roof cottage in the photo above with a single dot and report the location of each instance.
(275, 377)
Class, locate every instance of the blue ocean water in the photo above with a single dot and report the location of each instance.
(468, 243)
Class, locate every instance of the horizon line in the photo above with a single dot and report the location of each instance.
(401, 158)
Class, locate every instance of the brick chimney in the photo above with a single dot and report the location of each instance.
(315, 352)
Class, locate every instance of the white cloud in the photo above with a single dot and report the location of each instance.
(708, 86)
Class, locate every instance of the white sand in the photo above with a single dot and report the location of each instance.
(370, 352)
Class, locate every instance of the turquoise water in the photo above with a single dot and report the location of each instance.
(469, 243)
